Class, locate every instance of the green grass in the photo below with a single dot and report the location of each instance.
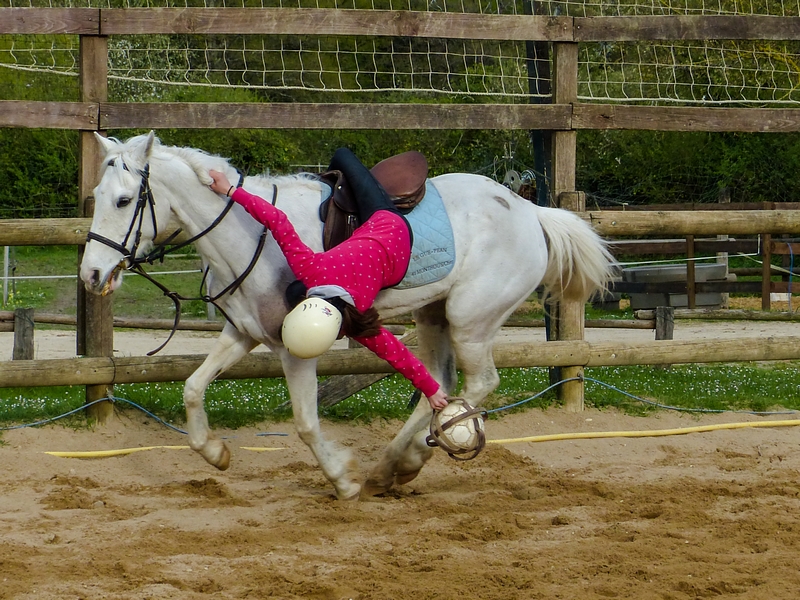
(135, 298)
(238, 403)
(740, 386)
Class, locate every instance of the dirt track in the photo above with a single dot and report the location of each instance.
(702, 515)
(694, 516)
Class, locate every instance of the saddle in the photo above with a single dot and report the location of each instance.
(403, 177)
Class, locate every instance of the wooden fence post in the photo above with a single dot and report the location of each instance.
(665, 322)
(570, 315)
(766, 270)
(95, 332)
(665, 325)
(722, 257)
(23, 334)
(691, 278)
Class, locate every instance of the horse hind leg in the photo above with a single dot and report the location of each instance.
(477, 366)
(480, 380)
(407, 453)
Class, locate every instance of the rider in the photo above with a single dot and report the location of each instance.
(349, 275)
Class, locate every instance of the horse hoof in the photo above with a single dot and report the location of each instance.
(224, 459)
(351, 498)
(350, 493)
(374, 488)
(403, 478)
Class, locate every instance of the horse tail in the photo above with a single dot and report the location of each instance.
(578, 262)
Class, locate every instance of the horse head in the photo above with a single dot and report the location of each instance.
(126, 217)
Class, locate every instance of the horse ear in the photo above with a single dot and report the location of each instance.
(105, 143)
(148, 148)
(143, 146)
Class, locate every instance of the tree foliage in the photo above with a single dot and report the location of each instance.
(646, 167)
(39, 167)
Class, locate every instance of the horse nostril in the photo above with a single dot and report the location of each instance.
(94, 278)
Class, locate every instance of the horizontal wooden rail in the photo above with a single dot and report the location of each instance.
(106, 371)
(713, 314)
(392, 23)
(338, 22)
(123, 322)
(298, 115)
(709, 206)
(683, 118)
(686, 27)
(43, 232)
(49, 115)
(21, 21)
(784, 248)
(679, 246)
(622, 223)
(25, 232)
(395, 325)
(54, 232)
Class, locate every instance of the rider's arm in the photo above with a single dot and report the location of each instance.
(393, 351)
(298, 255)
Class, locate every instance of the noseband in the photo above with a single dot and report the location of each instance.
(130, 262)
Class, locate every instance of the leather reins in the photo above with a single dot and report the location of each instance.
(130, 262)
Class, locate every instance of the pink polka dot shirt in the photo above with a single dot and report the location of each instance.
(375, 257)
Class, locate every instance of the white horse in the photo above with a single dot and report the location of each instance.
(505, 247)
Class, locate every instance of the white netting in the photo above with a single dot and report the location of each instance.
(325, 64)
(56, 54)
(711, 72)
(613, 8)
(760, 73)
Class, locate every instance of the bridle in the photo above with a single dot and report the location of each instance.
(144, 201)
(130, 262)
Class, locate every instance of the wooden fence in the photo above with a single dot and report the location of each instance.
(765, 246)
(564, 117)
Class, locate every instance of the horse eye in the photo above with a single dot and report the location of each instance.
(123, 202)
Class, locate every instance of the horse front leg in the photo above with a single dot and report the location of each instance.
(337, 464)
(231, 346)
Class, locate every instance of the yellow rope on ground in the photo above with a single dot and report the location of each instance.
(637, 434)
(124, 451)
(584, 435)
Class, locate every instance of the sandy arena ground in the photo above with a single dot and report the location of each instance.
(692, 516)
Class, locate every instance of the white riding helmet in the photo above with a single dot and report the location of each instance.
(311, 328)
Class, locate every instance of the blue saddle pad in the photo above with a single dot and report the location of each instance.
(433, 252)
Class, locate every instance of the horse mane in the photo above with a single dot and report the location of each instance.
(201, 161)
(198, 161)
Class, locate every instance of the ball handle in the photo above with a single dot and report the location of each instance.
(437, 428)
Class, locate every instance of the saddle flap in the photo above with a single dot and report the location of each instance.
(402, 175)
(340, 191)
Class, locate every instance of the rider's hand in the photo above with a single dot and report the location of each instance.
(221, 184)
(439, 400)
